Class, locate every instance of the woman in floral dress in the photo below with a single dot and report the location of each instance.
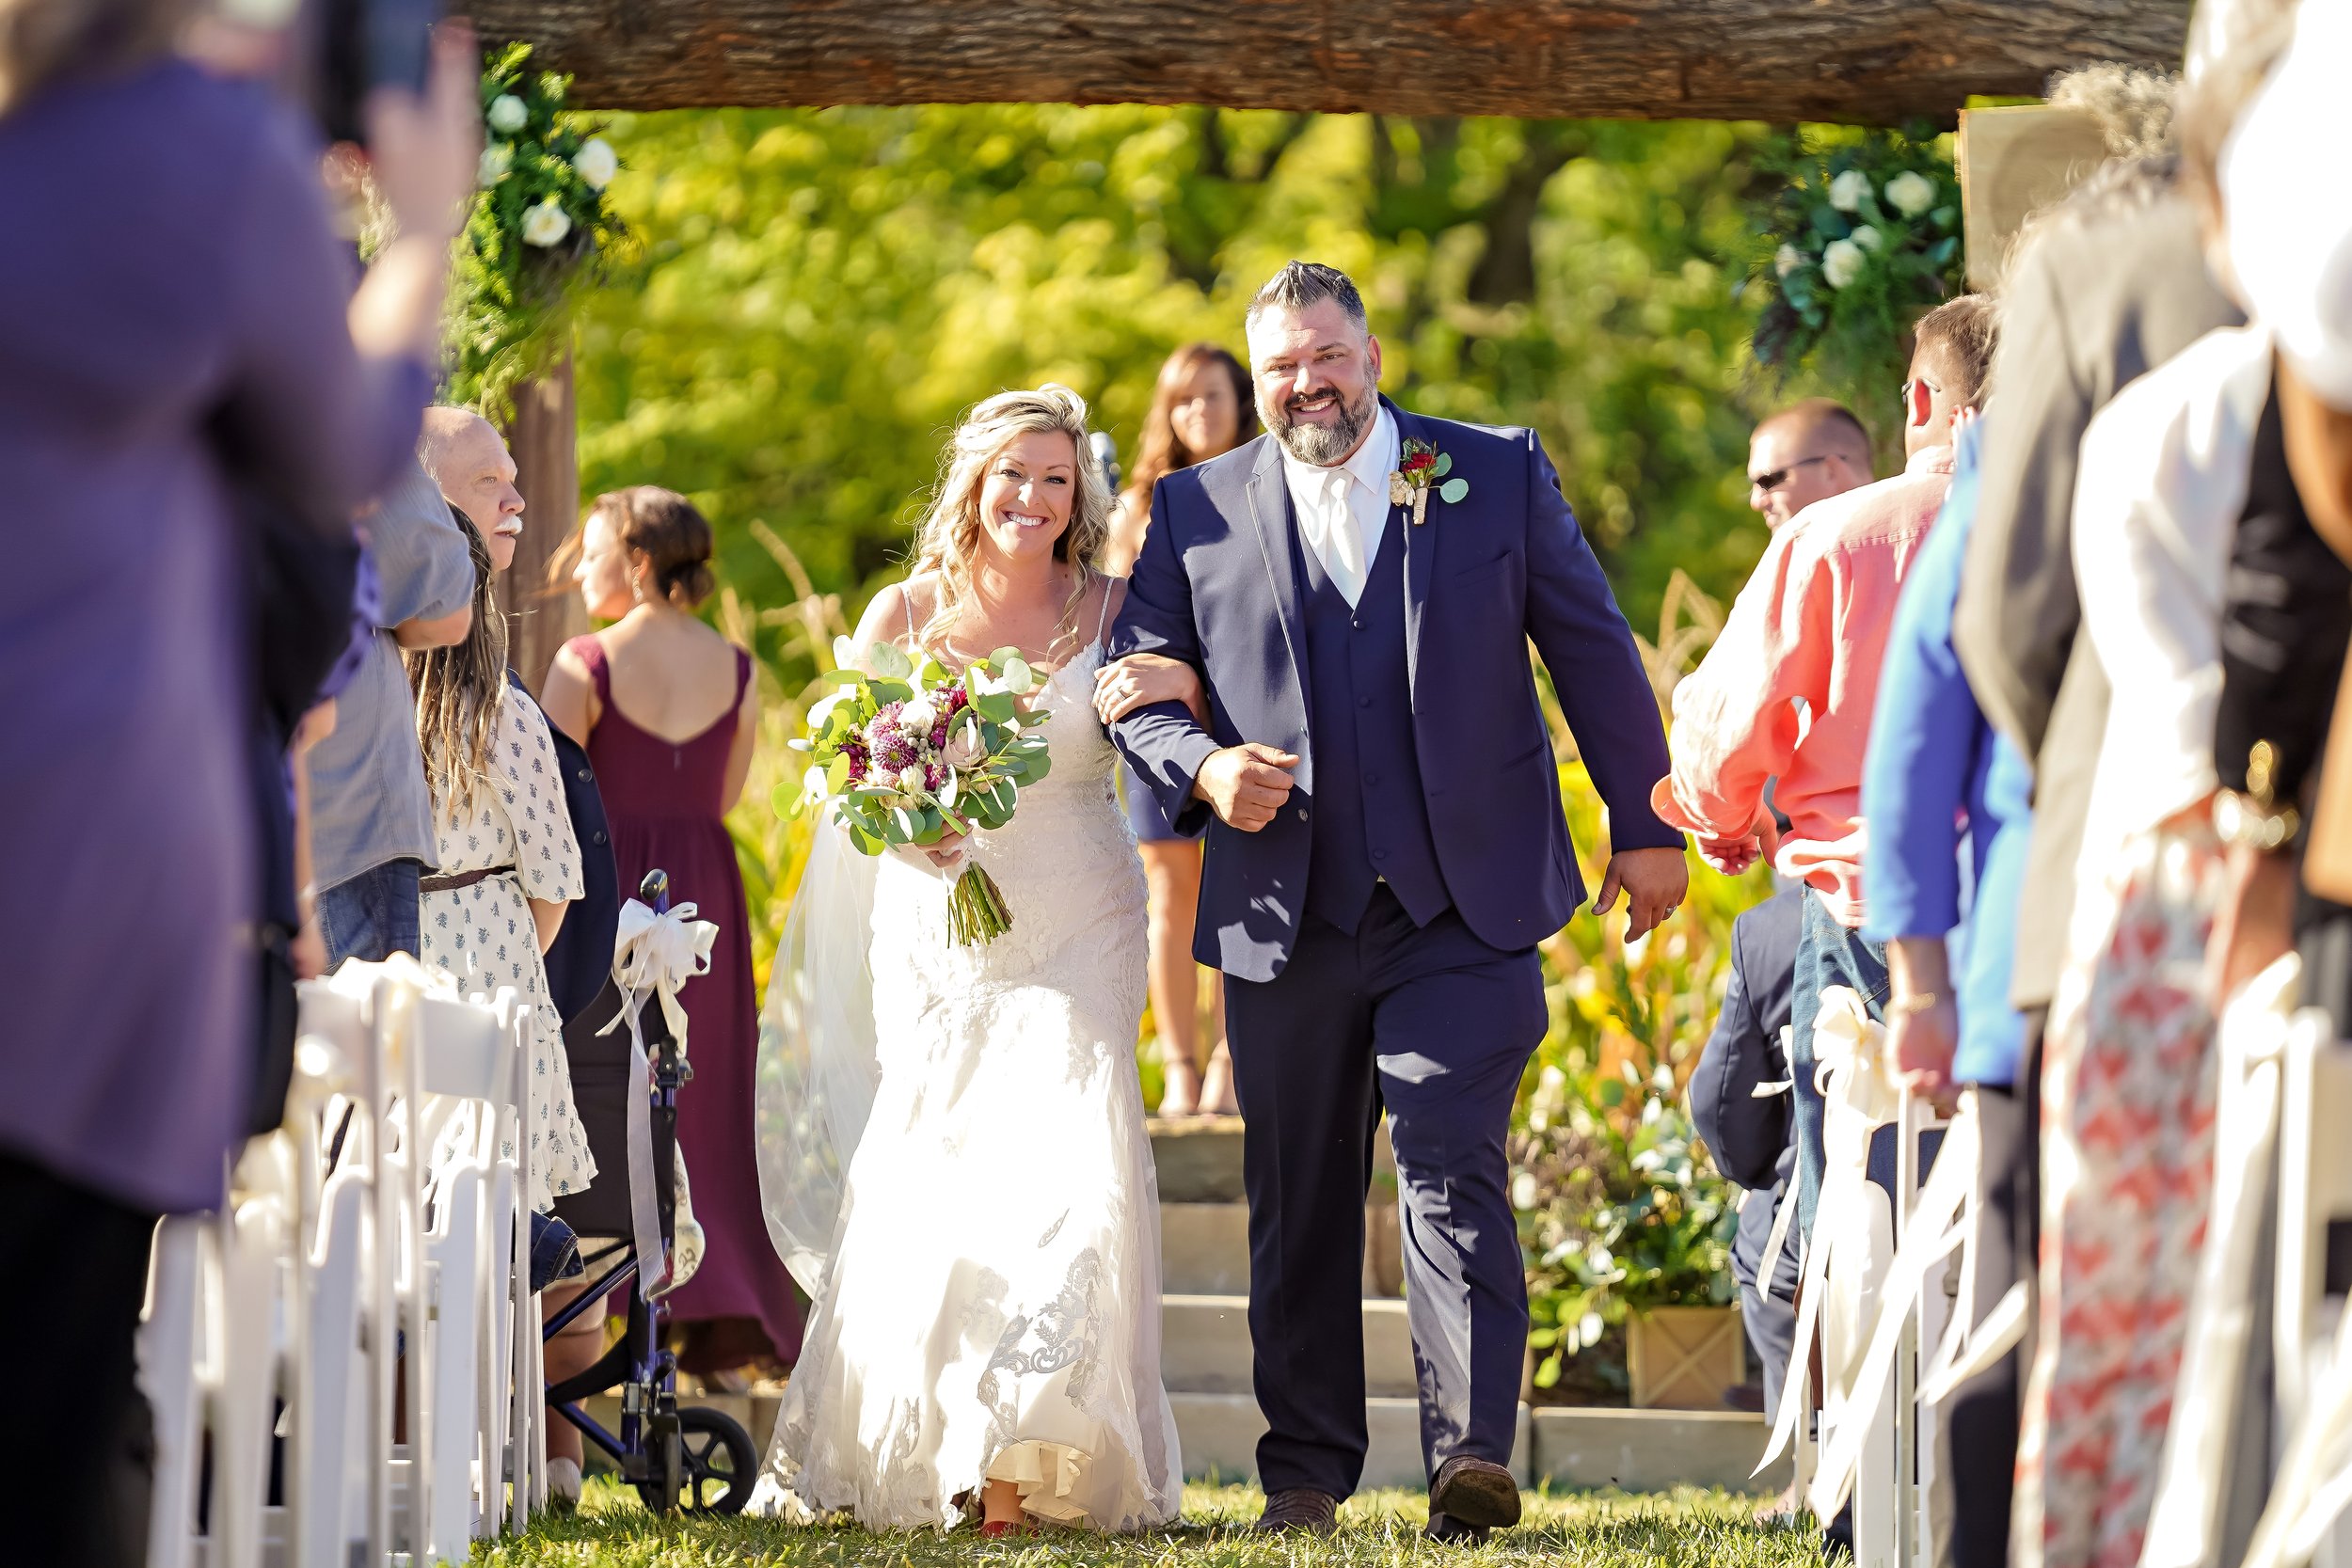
(508, 861)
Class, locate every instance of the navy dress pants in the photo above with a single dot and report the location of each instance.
(1438, 1027)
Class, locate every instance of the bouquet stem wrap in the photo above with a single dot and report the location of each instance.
(976, 913)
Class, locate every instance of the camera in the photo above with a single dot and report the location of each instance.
(357, 46)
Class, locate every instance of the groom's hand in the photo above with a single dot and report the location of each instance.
(1246, 785)
(1654, 883)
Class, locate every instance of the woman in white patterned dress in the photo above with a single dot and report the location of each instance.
(508, 860)
(986, 1262)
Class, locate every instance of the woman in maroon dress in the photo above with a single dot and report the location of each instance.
(667, 710)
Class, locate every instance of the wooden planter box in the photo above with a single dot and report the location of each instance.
(1685, 1357)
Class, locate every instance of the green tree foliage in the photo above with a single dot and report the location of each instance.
(823, 292)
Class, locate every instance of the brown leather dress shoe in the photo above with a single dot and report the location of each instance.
(1301, 1508)
(1476, 1493)
(1446, 1528)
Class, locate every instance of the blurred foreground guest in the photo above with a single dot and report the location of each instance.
(1202, 408)
(668, 712)
(1806, 452)
(2128, 1074)
(175, 316)
(1950, 807)
(1810, 628)
(2074, 328)
(2122, 851)
(2288, 606)
(1748, 1130)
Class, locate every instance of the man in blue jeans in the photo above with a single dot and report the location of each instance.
(370, 811)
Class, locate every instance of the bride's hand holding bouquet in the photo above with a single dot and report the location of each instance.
(908, 755)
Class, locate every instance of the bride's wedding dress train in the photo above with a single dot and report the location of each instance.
(992, 1304)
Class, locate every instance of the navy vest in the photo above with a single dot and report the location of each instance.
(1370, 821)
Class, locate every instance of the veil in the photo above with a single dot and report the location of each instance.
(815, 1068)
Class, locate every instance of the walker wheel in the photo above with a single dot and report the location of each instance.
(714, 1464)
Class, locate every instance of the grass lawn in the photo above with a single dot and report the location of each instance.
(1705, 1529)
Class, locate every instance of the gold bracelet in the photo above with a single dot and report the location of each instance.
(1917, 1001)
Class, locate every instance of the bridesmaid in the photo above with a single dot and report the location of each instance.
(667, 710)
(1201, 409)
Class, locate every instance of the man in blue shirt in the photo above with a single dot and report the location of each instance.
(1948, 805)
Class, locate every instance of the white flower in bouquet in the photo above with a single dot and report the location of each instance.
(507, 114)
(1849, 190)
(1868, 238)
(545, 224)
(596, 163)
(918, 716)
(1787, 259)
(910, 779)
(497, 158)
(1842, 261)
(965, 746)
(1911, 193)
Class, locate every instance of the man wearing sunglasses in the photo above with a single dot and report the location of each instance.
(1806, 452)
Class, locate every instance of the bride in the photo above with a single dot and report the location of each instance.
(952, 1153)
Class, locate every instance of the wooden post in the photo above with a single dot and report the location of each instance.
(545, 440)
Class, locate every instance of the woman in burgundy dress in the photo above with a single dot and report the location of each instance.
(667, 711)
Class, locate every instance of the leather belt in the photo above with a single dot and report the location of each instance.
(461, 879)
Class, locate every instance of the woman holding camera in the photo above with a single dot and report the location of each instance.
(176, 315)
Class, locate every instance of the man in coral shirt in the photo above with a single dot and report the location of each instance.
(1787, 691)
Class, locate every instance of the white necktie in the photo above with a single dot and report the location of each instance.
(1344, 546)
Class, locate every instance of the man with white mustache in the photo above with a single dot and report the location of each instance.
(1357, 588)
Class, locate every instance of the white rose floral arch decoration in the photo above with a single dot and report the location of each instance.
(1860, 235)
(540, 227)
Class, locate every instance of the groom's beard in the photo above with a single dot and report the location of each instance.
(1321, 445)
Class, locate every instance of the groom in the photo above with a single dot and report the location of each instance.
(1389, 849)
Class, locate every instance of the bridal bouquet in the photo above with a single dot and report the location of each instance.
(903, 756)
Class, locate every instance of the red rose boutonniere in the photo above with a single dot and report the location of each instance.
(1422, 469)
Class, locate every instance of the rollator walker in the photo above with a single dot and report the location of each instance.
(690, 1460)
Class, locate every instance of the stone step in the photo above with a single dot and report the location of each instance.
(1204, 1249)
(1652, 1451)
(1198, 1160)
(1219, 1433)
(1205, 1346)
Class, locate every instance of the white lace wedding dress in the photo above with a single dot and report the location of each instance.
(992, 1307)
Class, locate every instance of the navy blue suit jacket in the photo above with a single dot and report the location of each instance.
(1217, 587)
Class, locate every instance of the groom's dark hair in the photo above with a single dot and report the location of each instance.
(1299, 284)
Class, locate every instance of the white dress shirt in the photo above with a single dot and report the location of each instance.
(1343, 510)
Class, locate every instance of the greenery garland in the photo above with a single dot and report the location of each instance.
(1861, 238)
(540, 229)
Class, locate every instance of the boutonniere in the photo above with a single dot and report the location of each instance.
(1422, 470)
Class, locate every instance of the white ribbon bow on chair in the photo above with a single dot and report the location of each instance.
(653, 954)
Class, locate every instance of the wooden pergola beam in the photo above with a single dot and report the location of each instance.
(1861, 61)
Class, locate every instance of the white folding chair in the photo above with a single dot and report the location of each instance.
(2305, 1521)
(170, 1351)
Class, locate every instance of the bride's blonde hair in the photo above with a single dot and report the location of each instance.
(948, 542)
